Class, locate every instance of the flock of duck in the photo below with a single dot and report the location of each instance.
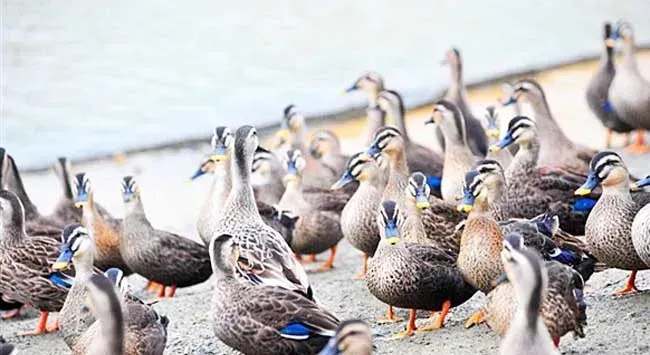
(494, 213)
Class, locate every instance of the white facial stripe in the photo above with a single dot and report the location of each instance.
(606, 160)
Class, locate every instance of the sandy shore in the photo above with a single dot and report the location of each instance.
(616, 326)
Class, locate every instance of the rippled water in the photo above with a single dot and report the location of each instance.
(81, 80)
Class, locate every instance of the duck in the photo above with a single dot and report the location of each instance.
(458, 156)
(106, 229)
(326, 147)
(457, 94)
(493, 132)
(318, 229)
(562, 309)
(629, 91)
(221, 143)
(25, 265)
(142, 330)
(317, 173)
(353, 337)
(419, 157)
(218, 164)
(535, 189)
(555, 146)
(640, 227)
(35, 222)
(268, 175)
(414, 276)
(609, 225)
(78, 250)
(359, 216)
(163, 257)
(440, 219)
(527, 333)
(265, 257)
(262, 318)
(597, 93)
(388, 147)
(65, 210)
(371, 83)
(108, 335)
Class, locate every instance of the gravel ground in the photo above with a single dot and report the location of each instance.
(616, 325)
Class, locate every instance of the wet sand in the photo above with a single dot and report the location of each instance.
(616, 325)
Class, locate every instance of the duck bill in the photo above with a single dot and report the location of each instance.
(509, 101)
(492, 130)
(638, 185)
(199, 172)
(128, 196)
(374, 152)
(589, 185)
(422, 202)
(344, 180)
(63, 261)
(504, 142)
(81, 200)
(430, 120)
(219, 154)
(392, 237)
(466, 204)
(351, 88)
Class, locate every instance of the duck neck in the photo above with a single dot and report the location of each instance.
(399, 173)
(620, 188)
(65, 183)
(497, 199)
(629, 59)
(293, 199)
(241, 197)
(135, 207)
(112, 327)
(530, 301)
(456, 70)
(13, 233)
(525, 161)
(299, 138)
(549, 132)
(221, 182)
(398, 113)
(15, 184)
(376, 119)
(83, 266)
(480, 209)
(88, 212)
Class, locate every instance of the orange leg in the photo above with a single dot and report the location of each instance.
(390, 317)
(41, 326)
(11, 314)
(312, 258)
(608, 138)
(475, 319)
(638, 147)
(556, 342)
(298, 256)
(172, 292)
(161, 291)
(410, 327)
(440, 321)
(364, 268)
(329, 264)
(629, 286)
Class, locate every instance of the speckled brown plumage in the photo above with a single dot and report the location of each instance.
(560, 310)
(480, 245)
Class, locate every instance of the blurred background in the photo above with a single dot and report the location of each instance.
(129, 74)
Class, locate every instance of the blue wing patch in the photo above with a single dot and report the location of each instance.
(584, 204)
(607, 106)
(61, 280)
(296, 331)
(434, 182)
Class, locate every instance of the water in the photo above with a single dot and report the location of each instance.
(82, 80)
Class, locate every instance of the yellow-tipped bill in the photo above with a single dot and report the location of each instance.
(634, 186)
(465, 208)
(60, 265)
(492, 133)
(583, 191)
(392, 240)
(494, 148)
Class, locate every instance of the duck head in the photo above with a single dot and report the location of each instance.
(388, 100)
(76, 244)
(472, 190)
(623, 32)
(12, 214)
(292, 120)
(638, 185)
(369, 82)
(388, 140)
(244, 148)
(295, 165)
(130, 189)
(524, 90)
(83, 190)
(360, 167)
(521, 130)
(491, 172)
(353, 337)
(390, 222)
(116, 276)
(607, 169)
(324, 142)
(221, 142)
(524, 268)
(447, 115)
(493, 124)
(418, 190)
